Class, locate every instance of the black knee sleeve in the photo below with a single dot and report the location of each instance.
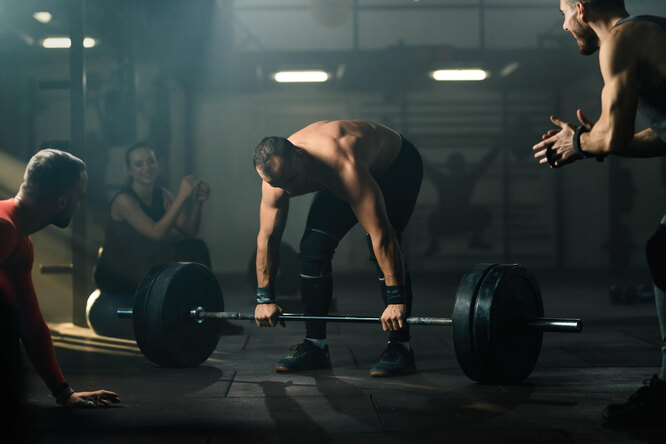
(317, 249)
(655, 251)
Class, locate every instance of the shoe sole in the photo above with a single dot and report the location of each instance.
(282, 369)
(380, 374)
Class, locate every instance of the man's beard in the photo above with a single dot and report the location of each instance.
(587, 39)
(62, 220)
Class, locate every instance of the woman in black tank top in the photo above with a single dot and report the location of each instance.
(142, 216)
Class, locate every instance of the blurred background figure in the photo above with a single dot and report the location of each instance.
(455, 214)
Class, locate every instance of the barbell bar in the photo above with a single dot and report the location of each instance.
(556, 325)
(497, 320)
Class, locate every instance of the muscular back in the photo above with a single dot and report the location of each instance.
(362, 142)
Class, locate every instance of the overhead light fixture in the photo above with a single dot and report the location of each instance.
(42, 16)
(65, 42)
(459, 75)
(301, 76)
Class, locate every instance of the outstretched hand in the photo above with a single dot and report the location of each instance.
(92, 400)
(556, 147)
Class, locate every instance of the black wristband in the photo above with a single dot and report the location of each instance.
(576, 142)
(578, 149)
(62, 393)
(265, 295)
(394, 294)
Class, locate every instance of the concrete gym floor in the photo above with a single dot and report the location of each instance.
(237, 397)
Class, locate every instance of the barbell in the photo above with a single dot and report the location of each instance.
(497, 319)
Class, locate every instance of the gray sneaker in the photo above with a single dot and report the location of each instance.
(305, 356)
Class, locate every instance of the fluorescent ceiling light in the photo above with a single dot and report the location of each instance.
(42, 16)
(459, 75)
(65, 42)
(300, 76)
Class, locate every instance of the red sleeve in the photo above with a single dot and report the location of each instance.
(35, 333)
(7, 239)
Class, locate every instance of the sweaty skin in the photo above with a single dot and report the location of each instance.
(632, 59)
(345, 157)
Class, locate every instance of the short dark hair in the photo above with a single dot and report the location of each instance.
(138, 145)
(51, 173)
(270, 147)
(602, 5)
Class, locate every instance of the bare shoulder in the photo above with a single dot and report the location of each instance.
(272, 196)
(122, 204)
(123, 200)
(632, 37)
(622, 49)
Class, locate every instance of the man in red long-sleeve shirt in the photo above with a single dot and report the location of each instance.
(54, 184)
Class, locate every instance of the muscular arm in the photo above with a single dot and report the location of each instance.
(645, 144)
(360, 189)
(128, 209)
(613, 133)
(272, 219)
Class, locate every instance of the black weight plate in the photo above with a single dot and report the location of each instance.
(506, 349)
(463, 311)
(164, 330)
(139, 314)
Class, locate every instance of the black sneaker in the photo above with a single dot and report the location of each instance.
(306, 356)
(395, 360)
(646, 406)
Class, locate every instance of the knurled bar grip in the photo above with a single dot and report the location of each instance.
(562, 325)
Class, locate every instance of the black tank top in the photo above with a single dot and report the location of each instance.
(128, 254)
(652, 107)
(156, 209)
(121, 233)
